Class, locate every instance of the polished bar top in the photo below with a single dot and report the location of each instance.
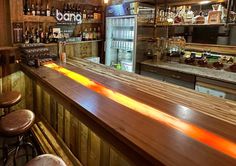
(168, 124)
(220, 75)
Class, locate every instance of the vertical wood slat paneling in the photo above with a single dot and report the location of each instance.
(53, 112)
(28, 93)
(67, 127)
(74, 133)
(18, 84)
(38, 99)
(6, 83)
(93, 149)
(83, 144)
(105, 154)
(89, 148)
(46, 106)
(60, 121)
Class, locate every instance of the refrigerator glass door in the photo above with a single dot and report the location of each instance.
(120, 42)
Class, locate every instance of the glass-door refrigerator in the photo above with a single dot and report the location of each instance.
(121, 30)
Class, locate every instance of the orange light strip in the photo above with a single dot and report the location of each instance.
(206, 137)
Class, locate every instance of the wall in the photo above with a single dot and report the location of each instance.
(5, 25)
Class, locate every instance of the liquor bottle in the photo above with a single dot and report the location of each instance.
(99, 15)
(42, 11)
(37, 36)
(99, 33)
(94, 34)
(96, 14)
(46, 38)
(200, 19)
(90, 34)
(65, 8)
(41, 35)
(53, 11)
(25, 10)
(37, 9)
(91, 14)
(26, 37)
(68, 8)
(84, 14)
(32, 10)
(78, 10)
(84, 34)
(50, 35)
(48, 12)
(189, 16)
(214, 17)
(74, 8)
(87, 35)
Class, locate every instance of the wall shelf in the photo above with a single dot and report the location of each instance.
(80, 42)
(189, 25)
(40, 19)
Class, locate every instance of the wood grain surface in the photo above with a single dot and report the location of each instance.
(145, 135)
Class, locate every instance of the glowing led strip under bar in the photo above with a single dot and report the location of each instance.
(206, 137)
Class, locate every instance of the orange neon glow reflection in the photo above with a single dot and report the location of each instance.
(206, 137)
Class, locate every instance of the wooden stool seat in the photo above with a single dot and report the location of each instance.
(46, 160)
(16, 122)
(9, 99)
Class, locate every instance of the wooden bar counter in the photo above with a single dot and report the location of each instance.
(147, 121)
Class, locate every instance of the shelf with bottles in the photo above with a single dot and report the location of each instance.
(36, 19)
(210, 13)
(187, 2)
(122, 45)
(123, 34)
(84, 41)
(169, 25)
(141, 24)
(124, 22)
(91, 21)
(144, 38)
(37, 10)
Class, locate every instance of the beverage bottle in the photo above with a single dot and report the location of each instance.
(41, 34)
(48, 12)
(84, 34)
(37, 9)
(95, 14)
(53, 11)
(65, 8)
(26, 36)
(90, 34)
(99, 15)
(32, 10)
(26, 8)
(42, 11)
(68, 8)
(87, 35)
(37, 36)
(84, 14)
(94, 34)
(99, 33)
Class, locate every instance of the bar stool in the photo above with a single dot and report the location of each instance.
(46, 159)
(9, 99)
(16, 124)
